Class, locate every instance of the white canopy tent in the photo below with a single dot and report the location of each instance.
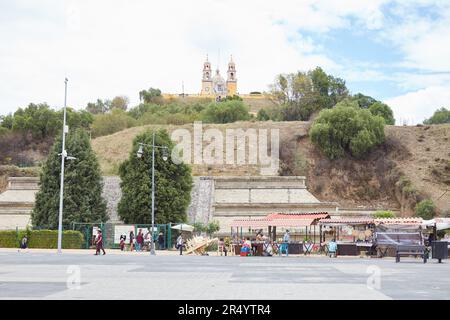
(441, 223)
(183, 227)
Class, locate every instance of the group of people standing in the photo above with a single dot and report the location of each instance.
(141, 241)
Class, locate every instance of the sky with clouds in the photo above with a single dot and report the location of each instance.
(395, 51)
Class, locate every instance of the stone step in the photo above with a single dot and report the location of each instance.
(15, 211)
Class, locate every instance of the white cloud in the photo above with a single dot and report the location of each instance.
(113, 47)
(414, 107)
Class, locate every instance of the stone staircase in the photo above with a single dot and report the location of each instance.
(17, 202)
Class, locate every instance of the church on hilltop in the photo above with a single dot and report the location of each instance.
(216, 86)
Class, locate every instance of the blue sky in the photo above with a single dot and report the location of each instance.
(396, 51)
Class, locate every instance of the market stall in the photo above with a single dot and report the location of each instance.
(299, 224)
(353, 235)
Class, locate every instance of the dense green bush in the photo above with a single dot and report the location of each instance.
(441, 115)
(43, 239)
(347, 129)
(384, 214)
(110, 123)
(225, 112)
(426, 209)
(9, 239)
(383, 110)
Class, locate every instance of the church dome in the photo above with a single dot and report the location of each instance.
(219, 84)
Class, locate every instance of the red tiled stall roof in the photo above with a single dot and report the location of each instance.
(308, 215)
(347, 221)
(399, 221)
(254, 223)
(281, 220)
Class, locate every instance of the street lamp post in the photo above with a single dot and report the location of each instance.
(139, 155)
(63, 155)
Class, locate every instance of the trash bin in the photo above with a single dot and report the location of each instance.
(439, 250)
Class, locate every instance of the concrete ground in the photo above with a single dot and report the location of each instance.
(78, 274)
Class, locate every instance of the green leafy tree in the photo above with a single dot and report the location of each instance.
(98, 107)
(151, 95)
(226, 112)
(83, 200)
(426, 209)
(440, 116)
(301, 94)
(112, 122)
(384, 214)
(7, 121)
(346, 129)
(364, 102)
(120, 102)
(212, 227)
(384, 111)
(173, 184)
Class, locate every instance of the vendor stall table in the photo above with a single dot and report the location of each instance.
(347, 249)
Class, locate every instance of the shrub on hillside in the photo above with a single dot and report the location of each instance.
(347, 129)
(383, 110)
(110, 123)
(426, 209)
(384, 214)
(440, 116)
(226, 112)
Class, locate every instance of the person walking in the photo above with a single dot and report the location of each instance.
(161, 241)
(285, 244)
(180, 244)
(99, 243)
(139, 240)
(122, 242)
(131, 240)
(24, 242)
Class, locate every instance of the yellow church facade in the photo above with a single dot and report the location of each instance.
(215, 85)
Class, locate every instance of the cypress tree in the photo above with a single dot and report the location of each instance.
(173, 184)
(83, 185)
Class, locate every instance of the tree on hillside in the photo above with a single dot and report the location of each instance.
(301, 94)
(42, 121)
(363, 101)
(120, 102)
(173, 184)
(151, 95)
(98, 107)
(226, 112)
(426, 209)
(347, 129)
(83, 201)
(112, 122)
(383, 110)
(440, 116)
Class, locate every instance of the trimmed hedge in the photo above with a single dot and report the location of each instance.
(42, 239)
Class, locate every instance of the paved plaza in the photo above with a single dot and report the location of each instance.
(42, 274)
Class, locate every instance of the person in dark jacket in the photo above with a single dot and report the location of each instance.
(99, 243)
(139, 240)
(131, 240)
(161, 241)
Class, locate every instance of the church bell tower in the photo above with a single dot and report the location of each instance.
(231, 78)
(207, 83)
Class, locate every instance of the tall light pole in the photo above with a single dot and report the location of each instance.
(139, 155)
(63, 155)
